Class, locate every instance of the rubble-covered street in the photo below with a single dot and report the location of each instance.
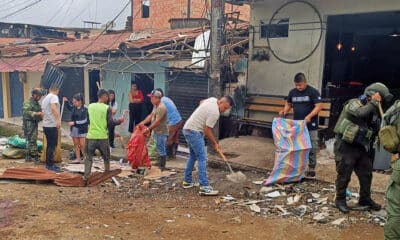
(162, 209)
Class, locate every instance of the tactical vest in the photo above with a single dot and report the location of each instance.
(348, 127)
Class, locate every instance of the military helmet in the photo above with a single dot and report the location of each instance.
(38, 91)
(381, 88)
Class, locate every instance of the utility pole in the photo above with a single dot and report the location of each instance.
(216, 40)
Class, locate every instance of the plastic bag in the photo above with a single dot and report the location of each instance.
(292, 149)
(136, 149)
(18, 142)
(14, 153)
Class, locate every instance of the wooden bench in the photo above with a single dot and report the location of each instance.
(272, 107)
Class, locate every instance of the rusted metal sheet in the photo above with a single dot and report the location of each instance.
(60, 179)
(28, 174)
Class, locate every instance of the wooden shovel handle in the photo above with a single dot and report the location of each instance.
(222, 155)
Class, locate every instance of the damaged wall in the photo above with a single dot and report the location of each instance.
(276, 78)
(113, 78)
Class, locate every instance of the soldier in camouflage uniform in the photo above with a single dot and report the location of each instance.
(392, 230)
(356, 129)
(32, 115)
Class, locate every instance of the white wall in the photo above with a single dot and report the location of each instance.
(276, 78)
(32, 81)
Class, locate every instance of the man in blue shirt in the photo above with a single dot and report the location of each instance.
(175, 125)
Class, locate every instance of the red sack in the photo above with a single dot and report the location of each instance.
(136, 149)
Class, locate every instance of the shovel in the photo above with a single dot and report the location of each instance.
(236, 177)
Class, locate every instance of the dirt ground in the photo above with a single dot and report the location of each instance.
(163, 211)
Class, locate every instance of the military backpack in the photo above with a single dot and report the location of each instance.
(389, 134)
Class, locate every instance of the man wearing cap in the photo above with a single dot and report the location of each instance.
(201, 123)
(158, 118)
(32, 115)
(175, 124)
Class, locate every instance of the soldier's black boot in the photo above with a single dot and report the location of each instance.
(342, 205)
(28, 158)
(36, 160)
(370, 203)
(163, 161)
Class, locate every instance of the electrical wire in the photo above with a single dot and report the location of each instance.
(15, 5)
(56, 14)
(66, 13)
(101, 33)
(21, 10)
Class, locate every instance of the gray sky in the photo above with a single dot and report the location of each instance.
(64, 13)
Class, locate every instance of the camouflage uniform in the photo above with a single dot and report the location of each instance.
(356, 129)
(30, 125)
(392, 230)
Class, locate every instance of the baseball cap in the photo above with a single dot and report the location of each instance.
(155, 93)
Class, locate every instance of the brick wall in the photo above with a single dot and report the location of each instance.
(163, 10)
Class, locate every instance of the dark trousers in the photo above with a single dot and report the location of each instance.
(111, 135)
(135, 115)
(104, 148)
(351, 158)
(51, 137)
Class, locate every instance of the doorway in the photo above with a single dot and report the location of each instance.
(94, 80)
(145, 83)
(16, 94)
(360, 49)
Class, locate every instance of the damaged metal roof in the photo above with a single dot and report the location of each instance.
(34, 63)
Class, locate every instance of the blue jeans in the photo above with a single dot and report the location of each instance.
(195, 141)
(161, 141)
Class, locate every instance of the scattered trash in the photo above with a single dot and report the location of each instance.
(293, 199)
(280, 208)
(338, 221)
(274, 194)
(315, 195)
(258, 182)
(116, 182)
(255, 208)
(169, 221)
(300, 211)
(320, 216)
(228, 198)
(264, 190)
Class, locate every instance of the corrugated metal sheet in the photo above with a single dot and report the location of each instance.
(6, 41)
(90, 45)
(186, 89)
(62, 179)
(28, 64)
(164, 36)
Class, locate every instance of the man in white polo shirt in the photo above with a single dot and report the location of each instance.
(201, 123)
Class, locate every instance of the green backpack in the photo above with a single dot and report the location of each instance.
(390, 132)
